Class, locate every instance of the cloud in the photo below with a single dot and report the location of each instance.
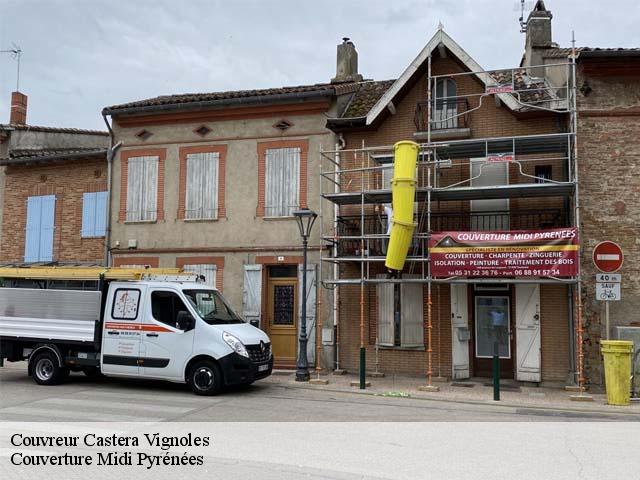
(80, 56)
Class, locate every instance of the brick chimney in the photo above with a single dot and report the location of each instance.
(18, 108)
(538, 36)
(347, 63)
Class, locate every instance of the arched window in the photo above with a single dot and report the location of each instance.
(445, 104)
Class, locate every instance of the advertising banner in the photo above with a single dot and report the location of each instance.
(517, 253)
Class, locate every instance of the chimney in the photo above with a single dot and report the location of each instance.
(18, 108)
(538, 36)
(347, 63)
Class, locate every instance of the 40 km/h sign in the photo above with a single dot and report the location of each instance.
(608, 256)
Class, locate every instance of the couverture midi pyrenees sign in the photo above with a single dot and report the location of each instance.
(521, 253)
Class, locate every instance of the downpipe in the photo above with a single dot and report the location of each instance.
(110, 154)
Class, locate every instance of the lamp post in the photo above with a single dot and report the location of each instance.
(305, 219)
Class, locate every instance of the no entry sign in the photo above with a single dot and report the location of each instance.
(608, 257)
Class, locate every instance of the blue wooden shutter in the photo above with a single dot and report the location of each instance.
(47, 226)
(32, 239)
(88, 214)
(101, 213)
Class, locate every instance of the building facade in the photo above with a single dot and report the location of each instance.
(499, 155)
(209, 183)
(54, 192)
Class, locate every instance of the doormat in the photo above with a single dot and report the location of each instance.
(463, 384)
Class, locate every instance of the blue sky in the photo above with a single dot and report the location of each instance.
(81, 55)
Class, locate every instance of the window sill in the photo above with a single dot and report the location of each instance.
(401, 348)
(143, 222)
(200, 220)
(277, 219)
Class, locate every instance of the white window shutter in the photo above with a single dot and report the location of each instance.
(386, 313)
(142, 188)
(202, 186)
(412, 315)
(252, 293)
(151, 186)
(282, 181)
(208, 271)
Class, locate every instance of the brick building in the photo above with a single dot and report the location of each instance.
(53, 191)
(463, 115)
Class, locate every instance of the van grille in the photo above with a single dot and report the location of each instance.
(257, 355)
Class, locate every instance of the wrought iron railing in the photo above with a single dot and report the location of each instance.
(376, 225)
(446, 113)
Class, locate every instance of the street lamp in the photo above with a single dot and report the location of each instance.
(305, 219)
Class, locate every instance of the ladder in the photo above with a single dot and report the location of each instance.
(97, 273)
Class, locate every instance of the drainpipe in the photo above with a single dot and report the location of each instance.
(110, 154)
(336, 269)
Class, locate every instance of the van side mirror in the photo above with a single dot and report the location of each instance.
(254, 322)
(185, 321)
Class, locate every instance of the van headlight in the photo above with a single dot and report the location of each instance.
(235, 344)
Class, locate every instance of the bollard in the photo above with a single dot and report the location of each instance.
(496, 372)
(362, 368)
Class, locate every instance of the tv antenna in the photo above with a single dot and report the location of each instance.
(523, 24)
(16, 53)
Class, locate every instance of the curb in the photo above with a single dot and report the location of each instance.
(491, 403)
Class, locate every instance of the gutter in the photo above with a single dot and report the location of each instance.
(110, 154)
(254, 100)
(346, 122)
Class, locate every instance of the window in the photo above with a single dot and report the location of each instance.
(282, 179)
(400, 315)
(203, 270)
(94, 214)
(165, 307)
(211, 307)
(543, 173)
(202, 186)
(445, 105)
(38, 245)
(142, 189)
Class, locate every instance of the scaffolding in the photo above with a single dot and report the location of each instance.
(355, 182)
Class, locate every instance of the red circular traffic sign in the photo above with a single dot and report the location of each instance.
(608, 256)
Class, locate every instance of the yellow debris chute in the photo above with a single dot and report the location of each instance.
(403, 188)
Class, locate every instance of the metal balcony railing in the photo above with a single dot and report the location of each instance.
(446, 113)
(374, 225)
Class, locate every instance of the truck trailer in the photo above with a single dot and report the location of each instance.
(135, 324)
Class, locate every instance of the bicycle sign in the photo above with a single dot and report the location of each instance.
(608, 287)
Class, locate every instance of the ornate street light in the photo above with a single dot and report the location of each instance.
(305, 219)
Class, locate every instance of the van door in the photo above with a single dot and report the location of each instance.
(122, 330)
(165, 347)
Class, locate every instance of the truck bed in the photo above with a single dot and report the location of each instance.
(47, 314)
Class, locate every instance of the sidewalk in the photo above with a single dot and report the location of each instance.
(478, 393)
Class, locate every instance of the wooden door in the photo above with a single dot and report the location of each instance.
(282, 319)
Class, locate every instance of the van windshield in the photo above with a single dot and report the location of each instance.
(211, 307)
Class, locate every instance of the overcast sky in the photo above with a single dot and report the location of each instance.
(82, 55)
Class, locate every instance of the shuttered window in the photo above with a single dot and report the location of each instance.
(207, 271)
(142, 189)
(38, 245)
(202, 186)
(282, 181)
(94, 214)
(400, 315)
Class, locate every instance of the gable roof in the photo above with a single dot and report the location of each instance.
(439, 38)
(366, 95)
(186, 100)
(43, 155)
(38, 128)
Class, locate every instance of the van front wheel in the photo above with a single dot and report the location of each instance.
(205, 378)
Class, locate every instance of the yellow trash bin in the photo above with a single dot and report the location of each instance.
(617, 370)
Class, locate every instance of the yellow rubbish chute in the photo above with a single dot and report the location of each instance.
(403, 187)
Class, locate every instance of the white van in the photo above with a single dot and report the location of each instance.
(168, 330)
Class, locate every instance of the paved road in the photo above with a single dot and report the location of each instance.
(81, 399)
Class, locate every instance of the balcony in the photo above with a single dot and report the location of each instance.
(375, 227)
(450, 119)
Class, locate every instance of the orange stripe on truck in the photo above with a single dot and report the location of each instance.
(146, 327)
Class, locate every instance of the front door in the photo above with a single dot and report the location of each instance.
(282, 319)
(492, 330)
